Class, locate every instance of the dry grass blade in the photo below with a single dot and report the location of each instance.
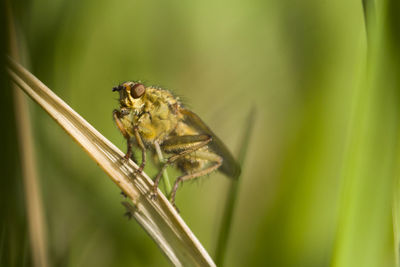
(33, 200)
(158, 218)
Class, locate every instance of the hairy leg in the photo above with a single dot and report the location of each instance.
(117, 118)
(142, 147)
(185, 145)
(191, 176)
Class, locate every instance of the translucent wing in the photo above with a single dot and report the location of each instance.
(229, 167)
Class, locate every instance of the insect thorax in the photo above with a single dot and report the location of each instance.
(159, 116)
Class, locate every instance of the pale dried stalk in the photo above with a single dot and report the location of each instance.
(33, 200)
(157, 217)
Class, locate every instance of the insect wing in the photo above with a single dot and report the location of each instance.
(229, 167)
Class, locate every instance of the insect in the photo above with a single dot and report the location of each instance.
(153, 119)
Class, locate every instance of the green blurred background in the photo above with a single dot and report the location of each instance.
(322, 164)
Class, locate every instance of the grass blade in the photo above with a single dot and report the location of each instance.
(230, 204)
(158, 218)
(33, 195)
(367, 209)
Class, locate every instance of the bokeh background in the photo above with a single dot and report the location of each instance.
(319, 184)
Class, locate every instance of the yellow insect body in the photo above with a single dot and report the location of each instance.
(154, 117)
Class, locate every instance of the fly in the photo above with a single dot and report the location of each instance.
(152, 118)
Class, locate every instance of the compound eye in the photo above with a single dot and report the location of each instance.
(137, 90)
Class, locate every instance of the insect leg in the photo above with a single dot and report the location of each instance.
(117, 115)
(128, 154)
(184, 144)
(142, 147)
(191, 176)
(177, 144)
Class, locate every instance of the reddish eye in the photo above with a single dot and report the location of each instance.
(137, 90)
